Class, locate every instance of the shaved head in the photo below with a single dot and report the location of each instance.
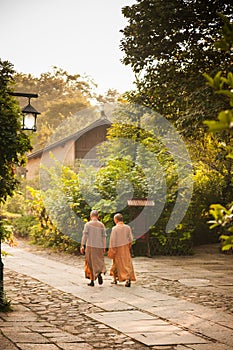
(118, 217)
(94, 213)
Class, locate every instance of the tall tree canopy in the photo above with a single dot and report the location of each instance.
(14, 143)
(169, 45)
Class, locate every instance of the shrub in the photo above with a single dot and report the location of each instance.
(15, 204)
(23, 224)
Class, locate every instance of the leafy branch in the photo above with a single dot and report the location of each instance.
(223, 85)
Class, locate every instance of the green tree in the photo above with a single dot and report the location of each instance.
(223, 86)
(169, 44)
(14, 143)
(137, 164)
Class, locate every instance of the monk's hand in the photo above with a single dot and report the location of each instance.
(82, 251)
(104, 250)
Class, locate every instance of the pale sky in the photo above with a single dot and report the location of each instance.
(80, 36)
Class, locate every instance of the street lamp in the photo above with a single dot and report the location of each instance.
(28, 123)
(29, 112)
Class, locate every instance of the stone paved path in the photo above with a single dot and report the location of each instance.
(177, 303)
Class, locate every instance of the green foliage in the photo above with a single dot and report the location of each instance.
(58, 209)
(223, 86)
(193, 229)
(134, 159)
(14, 143)
(208, 188)
(168, 44)
(227, 242)
(7, 227)
(225, 43)
(225, 121)
(44, 232)
(15, 204)
(23, 224)
(124, 173)
(6, 231)
(223, 218)
(178, 242)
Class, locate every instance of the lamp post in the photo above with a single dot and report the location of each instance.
(29, 112)
(28, 123)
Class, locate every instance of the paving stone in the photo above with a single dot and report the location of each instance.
(69, 338)
(25, 337)
(42, 329)
(210, 346)
(38, 347)
(6, 344)
(77, 346)
(226, 324)
(146, 329)
(56, 333)
(112, 305)
(217, 332)
(7, 329)
(170, 347)
(194, 282)
(166, 338)
(20, 316)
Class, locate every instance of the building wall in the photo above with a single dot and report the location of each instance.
(32, 168)
(64, 154)
(85, 145)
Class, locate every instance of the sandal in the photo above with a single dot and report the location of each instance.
(128, 283)
(100, 279)
(114, 282)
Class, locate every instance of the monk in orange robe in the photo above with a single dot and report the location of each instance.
(119, 250)
(94, 238)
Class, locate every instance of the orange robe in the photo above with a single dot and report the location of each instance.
(119, 249)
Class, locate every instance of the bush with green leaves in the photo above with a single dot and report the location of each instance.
(22, 225)
(14, 143)
(137, 163)
(222, 84)
(58, 209)
(125, 172)
(15, 204)
(45, 232)
(223, 219)
(68, 192)
(6, 230)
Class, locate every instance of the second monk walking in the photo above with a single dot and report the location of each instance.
(119, 250)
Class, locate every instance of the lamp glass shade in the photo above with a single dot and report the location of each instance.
(29, 121)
